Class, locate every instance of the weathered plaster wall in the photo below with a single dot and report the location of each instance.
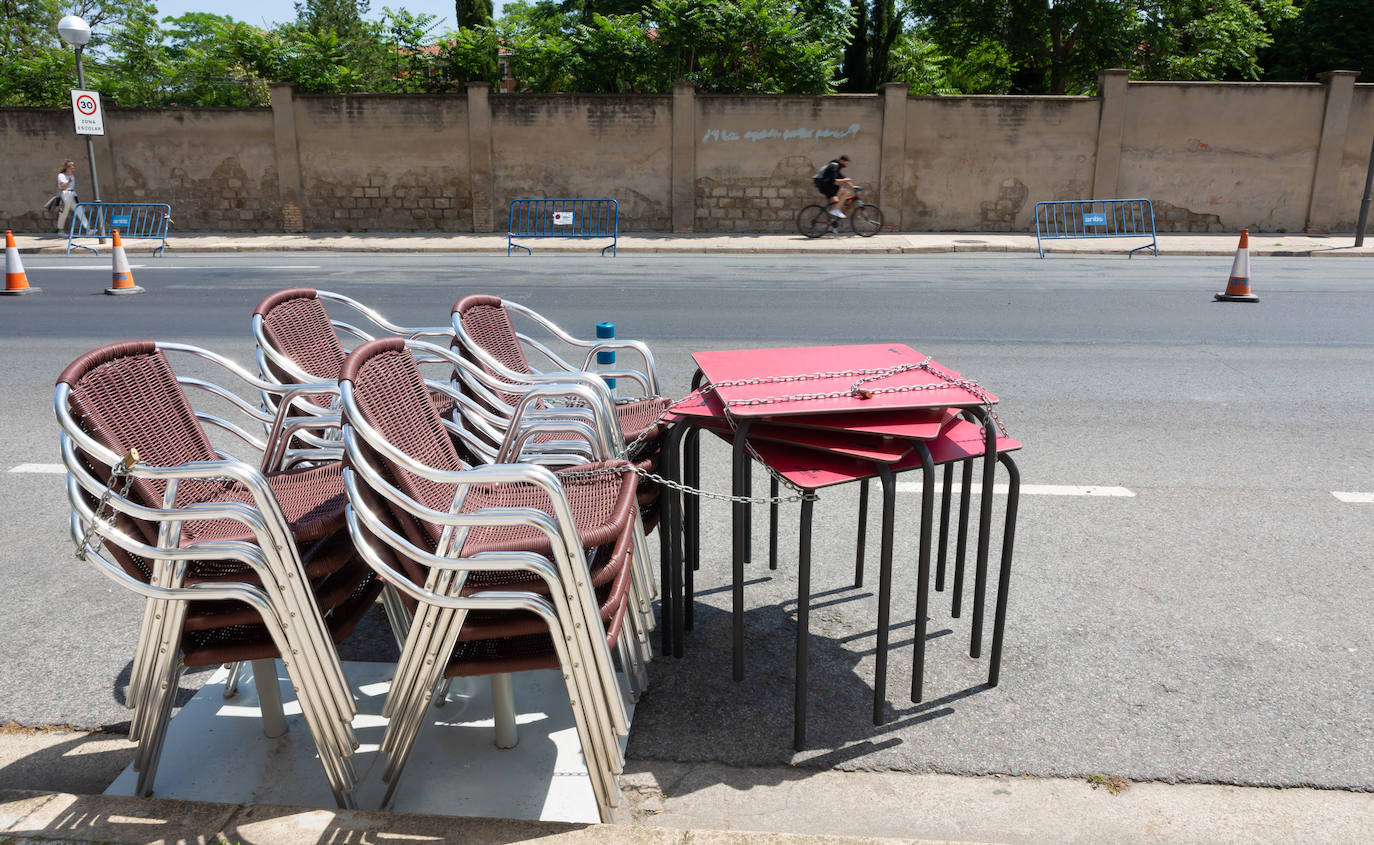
(585, 146)
(374, 163)
(215, 167)
(35, 143)
(981, 163)
(1355, 154)
(1212, 157)
(1222, 157)
(755, 156)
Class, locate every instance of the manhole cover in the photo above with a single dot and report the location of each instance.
(973, 241)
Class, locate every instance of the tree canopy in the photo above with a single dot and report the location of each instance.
(644, 46)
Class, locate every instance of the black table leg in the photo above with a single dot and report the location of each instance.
(773, 522)
(803, 626)
(863, 534)
(980, 572)
(945, 495)
(961, 542)
(999, 621)
(884, 591)
(691, 515)
(740, 463)
(918, 663)
(670, 566)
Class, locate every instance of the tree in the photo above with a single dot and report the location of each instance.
(472, 13)
(1208, 39)
(345, 17)
(1325, 35)
(867, 58)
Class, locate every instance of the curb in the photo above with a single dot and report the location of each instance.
(28, 816)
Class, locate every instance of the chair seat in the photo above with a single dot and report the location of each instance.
(312, 498)
(600, 504)
(640, 415)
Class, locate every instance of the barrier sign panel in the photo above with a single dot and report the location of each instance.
(1095, 218)
(120, 221)
(562, 218)
(87, 112)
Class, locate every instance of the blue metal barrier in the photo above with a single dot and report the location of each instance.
(562, 218)
(1128, 218)
(134, 220)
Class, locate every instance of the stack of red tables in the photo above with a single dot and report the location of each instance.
(821, 416)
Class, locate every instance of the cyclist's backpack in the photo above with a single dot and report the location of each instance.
(821, 180)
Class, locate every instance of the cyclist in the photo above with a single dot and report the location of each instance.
(829, 180)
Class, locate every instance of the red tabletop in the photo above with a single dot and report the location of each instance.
(725, 368)
(812, 470)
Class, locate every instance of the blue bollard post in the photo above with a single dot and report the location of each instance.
(606, 331)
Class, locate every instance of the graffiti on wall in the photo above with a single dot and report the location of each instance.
(802, 133)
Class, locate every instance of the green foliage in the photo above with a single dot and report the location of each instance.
(1326, 35)
(472, 13)
(875, 27)
(1209, 39)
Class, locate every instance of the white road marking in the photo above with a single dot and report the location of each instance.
(44, 469)
(1029, 489)
(1354, 498)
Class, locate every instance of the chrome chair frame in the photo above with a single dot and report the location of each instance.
(570, 609)
(288, 607)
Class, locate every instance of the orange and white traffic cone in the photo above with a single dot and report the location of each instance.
(123, 277)
(1238, 287)
(16, 282)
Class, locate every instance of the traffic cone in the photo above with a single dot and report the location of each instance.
(16, 282)
(123, 277)
(1238, 287)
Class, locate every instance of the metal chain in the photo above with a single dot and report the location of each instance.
(856, 390)
(119, 470)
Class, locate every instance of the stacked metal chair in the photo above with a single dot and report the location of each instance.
(238, 562)
(505, 567)
(559, 424)
(486, 334)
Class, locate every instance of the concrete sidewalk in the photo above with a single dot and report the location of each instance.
(50, 780)
(1263, 244)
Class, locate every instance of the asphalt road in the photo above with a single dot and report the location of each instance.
(1211, 627)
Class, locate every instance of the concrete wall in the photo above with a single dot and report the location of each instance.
(755, 156)
(1212, 157)
(1243, 157)
(585, 146)
(983, 162)
(383, 163)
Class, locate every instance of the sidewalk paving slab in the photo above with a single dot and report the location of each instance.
(1262, 244)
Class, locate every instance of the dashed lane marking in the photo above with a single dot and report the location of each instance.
(41, 469)
(1354, 498)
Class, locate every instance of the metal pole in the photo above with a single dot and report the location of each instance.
(1364, 203)
(90, 145)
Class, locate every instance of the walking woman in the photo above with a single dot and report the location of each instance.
(66, 189)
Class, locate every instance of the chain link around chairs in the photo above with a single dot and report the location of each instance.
(119, 470)
(856, 390)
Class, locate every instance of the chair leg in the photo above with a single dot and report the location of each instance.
(503, 710)
(269, 697)
(231, 683)
(397, 616)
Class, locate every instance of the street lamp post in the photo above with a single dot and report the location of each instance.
(75, 32)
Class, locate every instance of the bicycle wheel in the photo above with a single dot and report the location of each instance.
(813, 221)
(866, 220)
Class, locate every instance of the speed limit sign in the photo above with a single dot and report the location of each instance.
(87, 112)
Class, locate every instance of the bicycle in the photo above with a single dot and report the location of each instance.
(865, 219)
